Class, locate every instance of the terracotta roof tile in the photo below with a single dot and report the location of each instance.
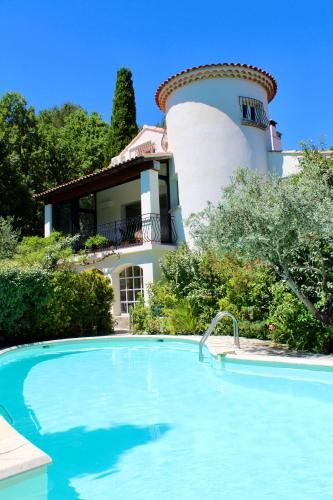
(160, 99)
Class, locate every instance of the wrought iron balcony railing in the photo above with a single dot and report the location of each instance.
(147, 228)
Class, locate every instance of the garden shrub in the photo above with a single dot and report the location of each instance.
(182, 319)
(195, 286)
(198, 278)
(95, 242)
(47, 252)
(248, 295)
(139, 315)
(292, 324)
(41, 304)
(150, 319)
(157, 324)
(8, 238)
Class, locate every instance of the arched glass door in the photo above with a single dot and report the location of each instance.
(131, 287)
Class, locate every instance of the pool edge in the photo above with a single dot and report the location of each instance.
(324, 361)
(18, 454)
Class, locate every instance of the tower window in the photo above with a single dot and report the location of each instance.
(253, 112)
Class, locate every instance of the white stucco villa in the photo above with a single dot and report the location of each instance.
(217, 119)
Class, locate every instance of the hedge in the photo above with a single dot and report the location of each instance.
(39, 304)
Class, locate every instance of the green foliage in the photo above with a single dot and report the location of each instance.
(161, 296)
(46, 252)
(182, 318)
(157, 325)
(123, 121)
(95, 242)
(198, 277)
(197, 285)
(71, 144)
(40, 151)
(8, 238)
(39, 304)
(292, 324)
(248, 295)
(80, 303)
(153, 319)
(139, 316)
(286, 223)
(18, 140)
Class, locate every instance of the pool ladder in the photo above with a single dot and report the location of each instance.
(212, 326)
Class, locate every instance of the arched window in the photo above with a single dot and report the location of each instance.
(131, 287)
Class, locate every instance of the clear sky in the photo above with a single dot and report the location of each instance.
(55, 51)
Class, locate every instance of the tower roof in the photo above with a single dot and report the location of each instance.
(223, 70)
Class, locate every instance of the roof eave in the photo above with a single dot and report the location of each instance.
(100, 174)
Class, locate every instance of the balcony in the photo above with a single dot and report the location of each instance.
(133, 231)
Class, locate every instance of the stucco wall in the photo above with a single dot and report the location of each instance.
(147, 257)
(208, 140)
(284, 163)
(147, 134)
(111, 202)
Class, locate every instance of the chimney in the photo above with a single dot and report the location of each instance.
(275, 137)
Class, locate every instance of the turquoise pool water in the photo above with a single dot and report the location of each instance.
(146, 420)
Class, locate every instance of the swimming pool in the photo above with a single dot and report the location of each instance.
(144, 419)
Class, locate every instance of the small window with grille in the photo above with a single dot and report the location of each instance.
(253, 112)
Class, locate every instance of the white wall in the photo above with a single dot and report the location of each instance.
(111, 202)
(149, 185)
(147, 134)
(175, 208)
(284, 163)
(208, 140)
(147, 258)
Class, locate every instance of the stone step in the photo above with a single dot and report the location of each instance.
(122, 322)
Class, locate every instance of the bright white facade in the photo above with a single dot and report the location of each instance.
(217, 120)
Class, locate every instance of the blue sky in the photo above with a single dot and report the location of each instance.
(55, 51)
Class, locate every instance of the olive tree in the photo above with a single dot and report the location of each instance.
(285, 222)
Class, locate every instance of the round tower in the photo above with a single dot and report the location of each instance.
(217, 120)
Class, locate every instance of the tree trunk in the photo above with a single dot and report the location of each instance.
(323, 318)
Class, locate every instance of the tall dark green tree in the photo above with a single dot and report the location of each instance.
(123, 121)
(18, 141)
(40, 151)
(72, 143)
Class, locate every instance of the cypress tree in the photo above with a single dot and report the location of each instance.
(123, 120)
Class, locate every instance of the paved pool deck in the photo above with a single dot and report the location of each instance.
(250, 349)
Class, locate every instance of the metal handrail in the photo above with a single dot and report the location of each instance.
(212, 326)
(145, 228)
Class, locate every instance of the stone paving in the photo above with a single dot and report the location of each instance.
(264, 350)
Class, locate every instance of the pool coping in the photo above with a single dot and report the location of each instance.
(230, 351)
(18, 454)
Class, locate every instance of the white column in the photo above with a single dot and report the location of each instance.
(150, 206)
(47, 220)
(148, 278)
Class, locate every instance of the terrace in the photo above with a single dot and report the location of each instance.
(128, 204)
